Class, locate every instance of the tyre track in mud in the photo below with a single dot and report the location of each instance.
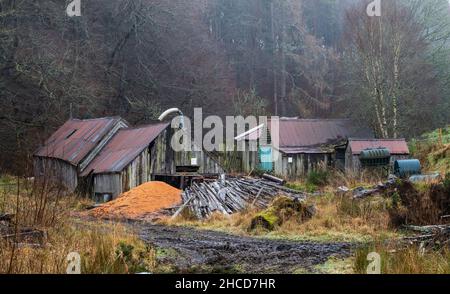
(198, 248)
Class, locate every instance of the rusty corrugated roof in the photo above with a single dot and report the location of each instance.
(76, 138)
(304, 150)
(123, 148)
(395, 146)
(301, 133)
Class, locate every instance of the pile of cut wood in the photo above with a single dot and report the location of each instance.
(232, 195)
(430, 236)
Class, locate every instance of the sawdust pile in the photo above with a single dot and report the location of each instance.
(140, 202)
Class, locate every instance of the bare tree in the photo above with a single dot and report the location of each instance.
(385, 53)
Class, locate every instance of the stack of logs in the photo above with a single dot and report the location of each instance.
(430, 236)
(232, 195)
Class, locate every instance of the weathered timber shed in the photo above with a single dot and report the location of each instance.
(138, 155)
(130, 159)
(72, 147)
(304, 145)
(398, 149)
(309, 144)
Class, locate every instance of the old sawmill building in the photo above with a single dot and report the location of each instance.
(105, 157)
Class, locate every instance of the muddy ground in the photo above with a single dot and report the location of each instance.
(187, 250)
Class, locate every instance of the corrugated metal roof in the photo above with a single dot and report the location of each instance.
(395, 146)
(123, 148)
(301, 133)
(76, 138)
(304, 150)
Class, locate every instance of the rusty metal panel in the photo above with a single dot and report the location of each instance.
(395, 146)
(124, 148)
(76, 138)
(296, 133)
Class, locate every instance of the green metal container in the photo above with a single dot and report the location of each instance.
(375, 157)
(407, 168)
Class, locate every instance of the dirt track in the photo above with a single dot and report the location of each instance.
(193, 250)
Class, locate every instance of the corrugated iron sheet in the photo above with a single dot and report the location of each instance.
(301, 133)
(304, 150)
(123, 148)
(395, 146)
(76, 138)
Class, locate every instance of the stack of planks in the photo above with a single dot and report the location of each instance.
(232, 195)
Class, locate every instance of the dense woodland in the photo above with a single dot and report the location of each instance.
(304, 58)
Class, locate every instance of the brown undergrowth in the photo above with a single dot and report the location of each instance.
(337, 218)
(39, 233)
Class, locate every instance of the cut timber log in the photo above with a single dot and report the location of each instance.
(257, 196)
(182, 207)
(274, 179)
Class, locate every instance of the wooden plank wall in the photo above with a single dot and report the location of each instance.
(108, 183)
(301, 165)
(206, 163)
(162, 155)
(250, 160)
(137, 172)
(56, 171)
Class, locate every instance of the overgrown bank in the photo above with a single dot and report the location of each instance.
(37, 234)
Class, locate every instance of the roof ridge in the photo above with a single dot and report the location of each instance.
(312, 119)
(92, 119)
(372, 139)
(145, 126)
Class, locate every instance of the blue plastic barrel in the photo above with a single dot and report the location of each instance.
(407, 168)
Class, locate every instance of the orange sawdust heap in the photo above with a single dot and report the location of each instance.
(140, 202)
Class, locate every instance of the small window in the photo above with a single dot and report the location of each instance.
(71, 134)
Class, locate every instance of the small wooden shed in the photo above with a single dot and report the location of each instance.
(304, 145)
(398, 149)
(72, 147)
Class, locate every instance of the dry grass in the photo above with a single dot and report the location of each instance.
(404, 260)
(104, 247)
(333, 222)
(364, 178)
(340, 218)
(328, 181)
